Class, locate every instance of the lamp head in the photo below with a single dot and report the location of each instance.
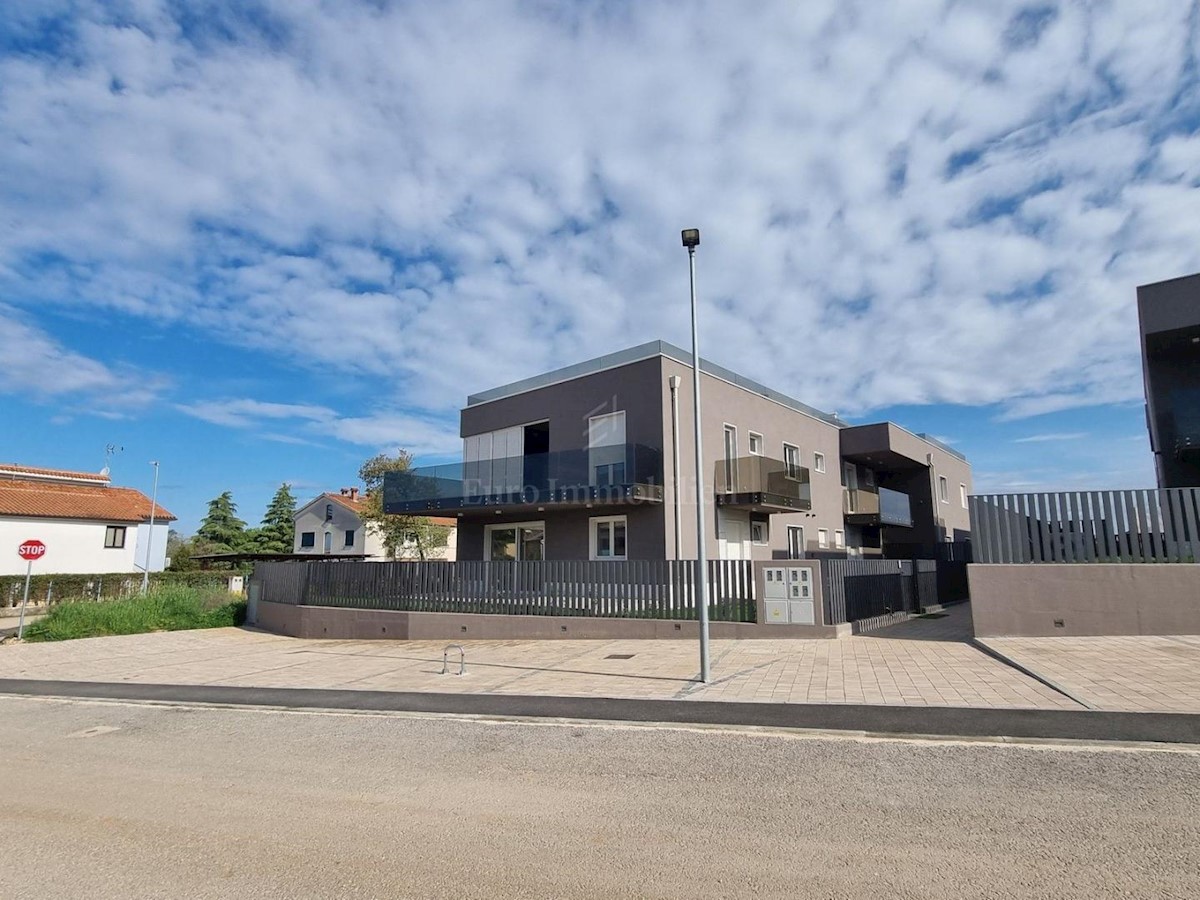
(691, 237)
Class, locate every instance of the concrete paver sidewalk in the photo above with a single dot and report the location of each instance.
(924, 662)
(1138, 674)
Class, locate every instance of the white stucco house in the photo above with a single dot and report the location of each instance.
(329, 525)
(88, 526)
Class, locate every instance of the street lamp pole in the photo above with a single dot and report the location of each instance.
(691, 239)
(150, 539)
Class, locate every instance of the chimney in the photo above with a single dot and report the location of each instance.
(345, 492)
(353, 493)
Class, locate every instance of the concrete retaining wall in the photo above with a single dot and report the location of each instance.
(1086, 598)
(362, 624)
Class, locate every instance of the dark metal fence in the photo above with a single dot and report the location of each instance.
(1143, 526)
(863, 589)
(648, 589)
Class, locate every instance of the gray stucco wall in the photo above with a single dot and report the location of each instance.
(724, 403)
(1025, 600)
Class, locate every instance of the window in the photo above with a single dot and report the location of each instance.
(839, 540)
(795, 540)
(758, 532)
(308, 539)
(791, 459)
(823, 538)
(756, 444)
(730, 458)
(869, 477)
(943, 489)
(962, 495)
(328, 511)
(349, 537)
(525, 541)
(114, 537)
(606, 449)
(328, 541)
(819, 462)
(608, 537)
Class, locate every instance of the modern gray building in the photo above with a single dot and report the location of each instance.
(1169, 320)
(589, 461)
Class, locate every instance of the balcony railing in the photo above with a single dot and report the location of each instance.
(614, 473)
(759, 481)
(876, 506)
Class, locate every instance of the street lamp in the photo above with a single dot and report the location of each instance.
(691, 240)
(150, 539)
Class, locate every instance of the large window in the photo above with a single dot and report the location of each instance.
(608, 537)
(791, 459)
(349, 537)
(524, 541)
(606, 449)
(730, 458)
(114, 537)
(308, 539)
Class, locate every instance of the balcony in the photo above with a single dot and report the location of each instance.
(876, 506)
(761, 484)
(620, 473)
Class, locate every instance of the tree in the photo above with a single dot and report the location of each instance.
(278, 531)
(394, 530)
(221, 528)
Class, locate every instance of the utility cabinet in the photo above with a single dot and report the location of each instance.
(788, 595)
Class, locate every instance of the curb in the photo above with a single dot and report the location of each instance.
(1086, 725)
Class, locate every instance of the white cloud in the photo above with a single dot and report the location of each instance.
(1052, 437)
(36, 366)
(382, 429)
(438, 198)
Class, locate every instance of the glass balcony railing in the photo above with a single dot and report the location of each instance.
(876, 506)
(614, 472)
(772, 479)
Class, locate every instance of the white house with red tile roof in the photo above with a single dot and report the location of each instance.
(87, 525)
(329, 524)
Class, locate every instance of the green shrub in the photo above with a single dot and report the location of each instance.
(108, 586)
(167, 608)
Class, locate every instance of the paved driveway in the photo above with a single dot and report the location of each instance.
(1127, 673)
(925, 662)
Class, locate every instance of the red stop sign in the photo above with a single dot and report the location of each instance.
(32, 550)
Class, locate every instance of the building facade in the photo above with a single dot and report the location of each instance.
(1169, 322)
(330, 524)
(588, 462)
(88, 526)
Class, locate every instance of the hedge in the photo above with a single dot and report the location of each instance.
(108, 586)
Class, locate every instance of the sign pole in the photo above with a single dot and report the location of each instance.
(25, 602)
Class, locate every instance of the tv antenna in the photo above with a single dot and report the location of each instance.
(109, 451)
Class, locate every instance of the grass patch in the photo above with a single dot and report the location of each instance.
(168, 608)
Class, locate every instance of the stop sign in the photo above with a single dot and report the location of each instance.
(32, 550)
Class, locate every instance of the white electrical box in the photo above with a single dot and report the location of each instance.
(788, 595)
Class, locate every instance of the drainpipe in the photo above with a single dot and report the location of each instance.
(674, 381)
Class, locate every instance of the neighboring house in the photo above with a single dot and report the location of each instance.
(88, 526)
(330, 525)
(580, 464)
(1169, 321)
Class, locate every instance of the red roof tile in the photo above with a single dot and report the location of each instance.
(51, 500)
(8, 470)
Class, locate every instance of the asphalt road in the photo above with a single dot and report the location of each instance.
(104, 800)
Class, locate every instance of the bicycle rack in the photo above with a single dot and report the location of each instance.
(462, 659)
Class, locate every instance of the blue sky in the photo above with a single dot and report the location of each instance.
(260, 242)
